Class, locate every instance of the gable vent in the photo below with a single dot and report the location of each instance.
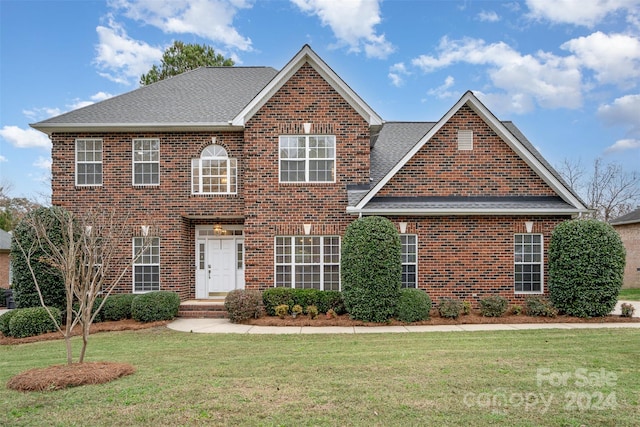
(465, 140)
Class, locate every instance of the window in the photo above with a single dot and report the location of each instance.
(307, 158)
(308, 262)
(409, 260)
(214, 172)
(146, 269)
(88, 162)
(528, 263)
(146, 161)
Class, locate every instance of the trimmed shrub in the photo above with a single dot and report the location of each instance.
(4, 322)
(450, 308)
(539, 306)
(466, 307)
(282, 310)
(413, 305)
(516, 309)
(371, 268)
(27, 322)
(627, 310)
(117, 307)
(242, 304)
(296, 309)
(331, 300)
(493, 306)
(274, 297)
(586, 267)
(3, 298)
(312, 311)
(154, 306)
(49, 279)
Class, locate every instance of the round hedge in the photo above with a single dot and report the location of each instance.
(117, 307)
(586, 267)
(27, 322)
(371, 269)
(413, 305)
(154, 306)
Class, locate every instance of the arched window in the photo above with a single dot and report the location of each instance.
(214, 172)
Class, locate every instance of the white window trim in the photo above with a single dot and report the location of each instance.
(541, 263)
(89, 162)
(307, 160)
(134, 162)
(412, 263)
(139, 264)
(293, 263)
(228, 161)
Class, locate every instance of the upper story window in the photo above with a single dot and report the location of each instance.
(214, 172)
(88, 161)
(308, 158)
(146, 161)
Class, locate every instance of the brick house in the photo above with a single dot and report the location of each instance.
(628, 227)
(252, 175)
(5, 261)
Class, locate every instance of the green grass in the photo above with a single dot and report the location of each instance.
(629, 294)
(455, 378)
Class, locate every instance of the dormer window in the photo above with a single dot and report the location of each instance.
(214, 172)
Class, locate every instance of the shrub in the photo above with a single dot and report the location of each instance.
(371, 269)
(243, 304)
(296, 309)
(466, 307)
(627, 310)
(3, 298)
(331, 300)
(27, 322)
(4, 321)
(312, 311)
(282, 310)
(49, 279)
(305, 297)
(449, 307)
(413, 305)
(117, 307)
(99, 317)
(516, 309)
(274, 297)
(586, 267)
(154, 306)
(539, 306)
(493, 306)
(331, 314)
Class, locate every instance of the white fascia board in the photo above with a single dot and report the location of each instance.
(50, 128)
(306, 54)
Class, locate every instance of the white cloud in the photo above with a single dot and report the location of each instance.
(209, 19)
(25, 138)
(489, 16)
(353, 24)
(397, 73)
(38, 114)
(580, 12)
(121, 58)
(43, 163)
(442, 91)
(614, 58)
(2, 158)
(624, 111)
(549, 80)
(78, 103)
(623, 145)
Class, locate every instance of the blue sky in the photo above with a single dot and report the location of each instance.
(567, 72)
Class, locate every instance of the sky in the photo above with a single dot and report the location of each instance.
(566, 72)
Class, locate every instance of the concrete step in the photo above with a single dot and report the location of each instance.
(208, 309)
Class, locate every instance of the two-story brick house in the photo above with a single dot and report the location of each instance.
(251, 176)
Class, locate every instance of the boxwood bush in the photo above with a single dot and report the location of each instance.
(154, 306)
(449, 308)
(274, 297)
(323, 300)
(242, 304)
(5, 318)
(413, 305)
(539, 306)
(371, 269)
(586, 267)
(493, 306)
(27, 322)
(117, 307)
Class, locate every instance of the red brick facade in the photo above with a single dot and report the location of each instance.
(630, 235)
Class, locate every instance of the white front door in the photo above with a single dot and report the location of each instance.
(219, 264)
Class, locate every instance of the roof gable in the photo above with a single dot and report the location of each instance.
(307, 55)
(522, 148)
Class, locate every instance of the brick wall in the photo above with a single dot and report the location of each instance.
(630, 235)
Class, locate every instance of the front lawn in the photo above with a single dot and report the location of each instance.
(516, 378)
(629, 294)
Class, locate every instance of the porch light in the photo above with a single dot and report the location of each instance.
(529, 226)
(403, 227)
(307, 229)
(217, 229)
(145, 230)
(307, 127)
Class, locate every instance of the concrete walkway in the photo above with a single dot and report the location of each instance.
(223, 326)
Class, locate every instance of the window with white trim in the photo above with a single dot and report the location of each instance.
(308, 262)
(214, 172)
(146, 161)
(307, 158)
(88, 161)
(409, 252)
(528, 272)
(146, 269)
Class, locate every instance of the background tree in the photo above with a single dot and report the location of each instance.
(12, 209)
(87, 254)
(181, 57)
(607, 188)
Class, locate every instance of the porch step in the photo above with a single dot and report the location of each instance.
(209, 309)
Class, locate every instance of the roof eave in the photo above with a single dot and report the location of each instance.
(630, 222)
(50, 128)
(459, 212)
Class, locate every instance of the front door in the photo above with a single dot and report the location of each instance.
(219, 262)
(221, 265)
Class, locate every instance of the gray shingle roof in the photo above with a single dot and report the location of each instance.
(212, 95)
(5, 241)
(630, 218)
(527, 203)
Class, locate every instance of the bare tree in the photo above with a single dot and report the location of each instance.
(90, 259)
(608, 189)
